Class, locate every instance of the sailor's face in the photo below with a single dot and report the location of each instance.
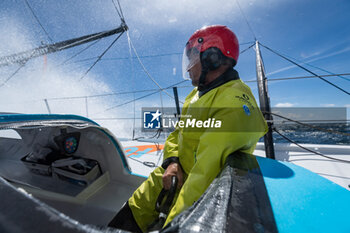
(195, 73)
(194, 67)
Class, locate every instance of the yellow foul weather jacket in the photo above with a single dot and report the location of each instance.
(235, 124)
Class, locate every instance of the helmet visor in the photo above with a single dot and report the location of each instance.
(190, 57)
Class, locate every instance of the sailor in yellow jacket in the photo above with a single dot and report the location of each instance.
(194, 153)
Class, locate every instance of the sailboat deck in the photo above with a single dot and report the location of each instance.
(336, 171)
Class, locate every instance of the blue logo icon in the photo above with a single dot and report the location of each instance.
(246, 110)
(151, 119)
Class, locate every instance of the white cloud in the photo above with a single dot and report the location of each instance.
(344, 50)
(178, 12)
(328, 105)
(347, 105)
(172, 20)
(306, 55)
(161, 14)
(284, 105)
(281, 69)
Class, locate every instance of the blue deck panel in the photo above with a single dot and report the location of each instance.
(303, 201)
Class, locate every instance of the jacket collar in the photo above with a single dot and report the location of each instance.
(228, 75)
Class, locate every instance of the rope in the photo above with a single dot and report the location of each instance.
(96, 96)
(338, 75)
(146, 163)
(13, 74)
(148, 74)
(146, 56)
(142, 97)
(250, 42)
(99, 57)
(16, 71)
(133, 81)
(128, 102)
(156, 135)
(126, 58)
(121, 11)
(247, 49)
(307, 70)
(300, 77)
(87, 47)
(246, 20)
(314, 152)
(37, 19)
(116, 8)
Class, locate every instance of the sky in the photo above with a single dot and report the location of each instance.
(312, 31)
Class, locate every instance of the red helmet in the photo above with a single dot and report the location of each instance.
(216, 36)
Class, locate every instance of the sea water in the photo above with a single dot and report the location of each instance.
(305, 134)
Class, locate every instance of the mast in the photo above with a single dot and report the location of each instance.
(23, 57)
(264, 102)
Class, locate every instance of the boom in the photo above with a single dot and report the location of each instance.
(23, 57)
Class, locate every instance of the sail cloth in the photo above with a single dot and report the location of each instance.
(236, 201)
